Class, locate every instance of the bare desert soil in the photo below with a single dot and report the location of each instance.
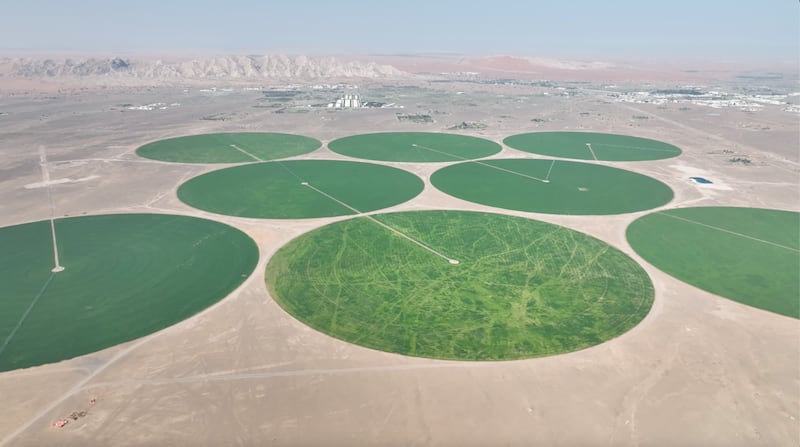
(699, 370)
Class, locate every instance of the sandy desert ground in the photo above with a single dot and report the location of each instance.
(699, 370)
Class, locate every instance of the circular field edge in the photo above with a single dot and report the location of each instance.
(433, 152)
(737, 253)
(291, 264)
(598, 151)
(71, 316)
(319, 188)
(233, 147)
(550, 186)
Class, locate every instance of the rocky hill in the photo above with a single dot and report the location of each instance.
(220, 67)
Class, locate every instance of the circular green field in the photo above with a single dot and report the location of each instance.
(592, 146)
(459, 285)
(299, 189)
(552, 186)
(745, 254)
(419, 147)
(125, 276)
(241, 147)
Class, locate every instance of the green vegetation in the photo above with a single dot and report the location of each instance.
(239, 147)
(415, 118)
(275, 190)
(609, 147)
(522, 288)
(126, 276)
(747, 255)
(417, 147)
(572, 187)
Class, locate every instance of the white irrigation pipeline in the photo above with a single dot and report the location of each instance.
(397, 232)
(245, 152)
(280, 163)
(438, 151)
(547, 177)
(729, 232)
(638, 147)
(512, 172)
(486, 164)
(589, 145)
(46, 179)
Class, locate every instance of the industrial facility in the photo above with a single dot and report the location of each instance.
(348, 101)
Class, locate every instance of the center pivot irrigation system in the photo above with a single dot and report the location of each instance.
(57, 267)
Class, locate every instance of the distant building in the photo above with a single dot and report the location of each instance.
(346, 102)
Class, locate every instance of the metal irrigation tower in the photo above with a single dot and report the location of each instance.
(46, 181)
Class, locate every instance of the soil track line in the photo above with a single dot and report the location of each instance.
(778, 162)
(75, 389)
(272, 374)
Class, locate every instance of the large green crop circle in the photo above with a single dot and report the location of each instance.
(592, 146)
(299, 189)
(459, 285)
(745, 254)
(125, 276)
(419, 147)
(552, 186)
(241, 147)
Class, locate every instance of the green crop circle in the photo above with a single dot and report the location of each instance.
(298, 189)
(239, 147)
(418, 147)
(125, 276)
(748, 255)
(487, 287)
(592, 146)
(552, 186)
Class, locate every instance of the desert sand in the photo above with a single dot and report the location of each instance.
(699, 370)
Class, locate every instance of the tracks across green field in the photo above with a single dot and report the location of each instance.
(745, 254)
(552, 186)
(521, 288)
(125, 276)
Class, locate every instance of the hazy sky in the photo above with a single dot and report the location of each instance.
(642, 29)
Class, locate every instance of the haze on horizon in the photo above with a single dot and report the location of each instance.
(711, 30)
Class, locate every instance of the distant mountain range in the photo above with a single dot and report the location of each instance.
(207, 68)
(146, 70)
